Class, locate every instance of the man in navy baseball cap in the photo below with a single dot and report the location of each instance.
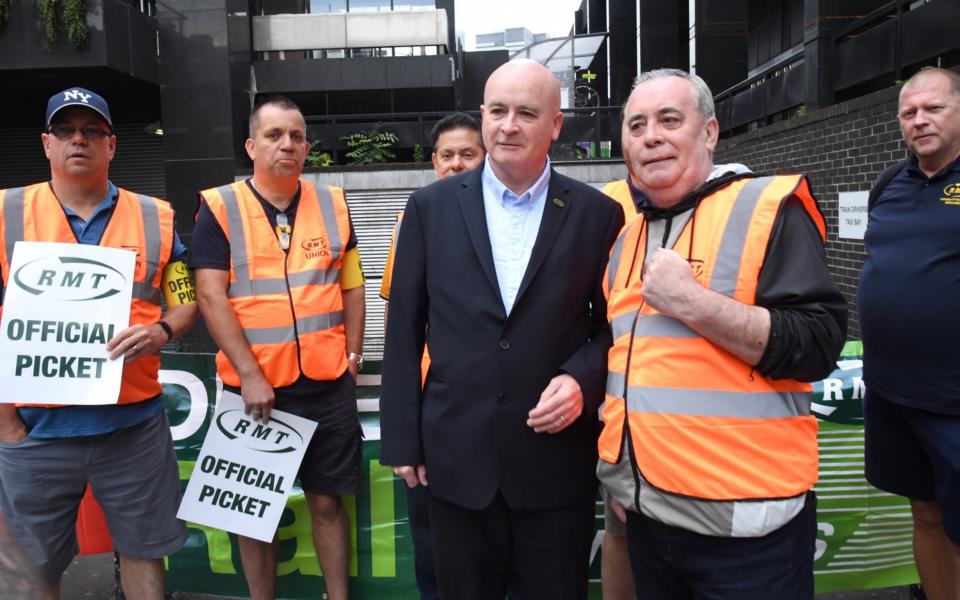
(78, 96)
(123, 448)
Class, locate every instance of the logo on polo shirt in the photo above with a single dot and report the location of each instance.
(951, 195)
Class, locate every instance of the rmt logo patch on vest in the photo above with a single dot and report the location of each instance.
(316, 247)
(274, 438)
(70, 279)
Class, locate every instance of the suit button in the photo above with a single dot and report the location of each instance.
(502, 398)
(504, 345)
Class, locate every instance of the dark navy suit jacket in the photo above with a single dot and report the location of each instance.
(468, 423)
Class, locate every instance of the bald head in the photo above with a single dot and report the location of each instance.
(932, 74)
(521, 118)
(527, 72)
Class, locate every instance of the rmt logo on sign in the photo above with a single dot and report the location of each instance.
(275, 438)
(69, 278)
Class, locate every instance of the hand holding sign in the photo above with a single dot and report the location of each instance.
(238, 484)
(136, 341)
(62, 304)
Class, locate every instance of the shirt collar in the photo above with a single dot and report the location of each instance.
(640, 199)
(504, 195)
(273, 210)
(913, 167)
(107, 204)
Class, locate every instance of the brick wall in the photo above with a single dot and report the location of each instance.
(841, 148)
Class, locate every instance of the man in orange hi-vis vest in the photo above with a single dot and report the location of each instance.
(281, 290)
(124, 451)
(722, 310)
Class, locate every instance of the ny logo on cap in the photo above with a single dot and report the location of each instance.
(76, 95)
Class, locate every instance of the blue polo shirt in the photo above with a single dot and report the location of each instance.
(76, 421)
(909, 296)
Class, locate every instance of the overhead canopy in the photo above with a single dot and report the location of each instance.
(559, 54)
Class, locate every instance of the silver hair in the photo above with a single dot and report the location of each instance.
(701, 90)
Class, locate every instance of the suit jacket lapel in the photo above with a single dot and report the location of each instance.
(475, 219)
(555, 211)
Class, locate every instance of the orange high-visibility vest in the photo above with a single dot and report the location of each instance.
(620, 191)
(34, 214)
(702, 423)
(385, 294)
(289, 304)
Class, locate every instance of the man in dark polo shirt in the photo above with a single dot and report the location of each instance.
(908, 301)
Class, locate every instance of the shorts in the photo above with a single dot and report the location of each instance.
(331, 464)
(612, 524)
(135, 479)
(914, 453)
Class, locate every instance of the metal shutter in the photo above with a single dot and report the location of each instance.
(374, 214)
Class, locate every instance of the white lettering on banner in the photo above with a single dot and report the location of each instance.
(62, 304)
(245, 469)
(821, 545)
(198, 402)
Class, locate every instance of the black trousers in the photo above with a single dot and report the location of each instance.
(535, 554)
(670, 563)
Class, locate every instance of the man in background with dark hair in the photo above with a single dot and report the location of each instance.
(285, 303)
(457, 147)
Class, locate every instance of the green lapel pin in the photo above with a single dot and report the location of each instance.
(559, 203)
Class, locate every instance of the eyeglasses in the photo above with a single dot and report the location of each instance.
(91, 132)
(283, 230)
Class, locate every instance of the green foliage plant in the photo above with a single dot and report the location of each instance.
(4, 11)
(47, 10)
(418, 153)
(75, 22)
(316, 158)
(72, 13)
(370, 147)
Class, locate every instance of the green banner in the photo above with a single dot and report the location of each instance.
(863, 539)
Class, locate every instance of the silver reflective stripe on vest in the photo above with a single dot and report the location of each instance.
(710, 403)
(651, 326)
(713, 403)
(749, 518)
(615, 383)
(12, 219)
(146, 292)
(726, 269)
(238, 243)
(151, 233)
(243, 286)
(280, 335)
(329, 213)
(615, 257)
(259, 287)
